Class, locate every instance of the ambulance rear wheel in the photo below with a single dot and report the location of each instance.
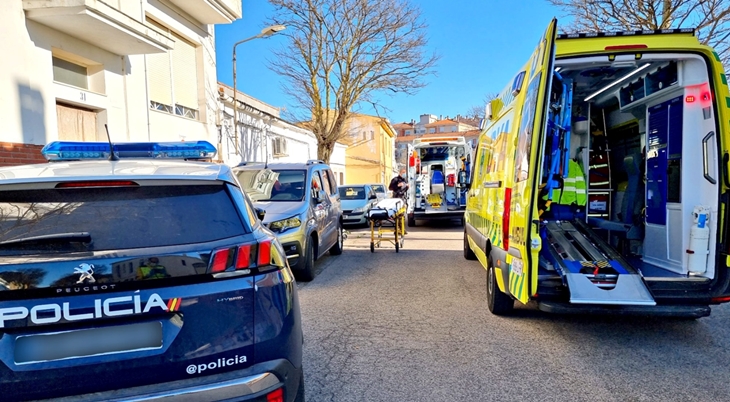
(497, 302)
(411, 222)
(468, 253)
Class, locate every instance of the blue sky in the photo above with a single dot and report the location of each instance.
(482, 44)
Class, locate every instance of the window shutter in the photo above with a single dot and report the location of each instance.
(158, 73)
(185, 73)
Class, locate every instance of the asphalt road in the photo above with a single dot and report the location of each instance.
(413, 326)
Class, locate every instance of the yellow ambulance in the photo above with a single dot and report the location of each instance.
(600, 181)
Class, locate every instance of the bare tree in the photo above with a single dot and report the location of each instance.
(477, 111)
(340, 53)
(710, 17)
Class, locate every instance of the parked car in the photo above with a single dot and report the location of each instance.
(356, 201)
(141, 279)
(381, 191)
(302, 208)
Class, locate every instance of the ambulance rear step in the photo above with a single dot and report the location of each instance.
(589, 272)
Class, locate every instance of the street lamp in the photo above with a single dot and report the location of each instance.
(265, 33)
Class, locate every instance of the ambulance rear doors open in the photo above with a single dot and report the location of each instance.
(438, 179)
(633, 129)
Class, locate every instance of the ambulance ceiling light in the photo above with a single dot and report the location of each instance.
(617, 82)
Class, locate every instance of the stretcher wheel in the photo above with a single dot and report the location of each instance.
(397, 248)
(372, 247)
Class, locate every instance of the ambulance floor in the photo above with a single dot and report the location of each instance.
(650, 270)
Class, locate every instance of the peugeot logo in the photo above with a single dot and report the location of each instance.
(87, 273)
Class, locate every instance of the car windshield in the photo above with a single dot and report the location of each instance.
(379, 188)
(273, 185)
(352, 193)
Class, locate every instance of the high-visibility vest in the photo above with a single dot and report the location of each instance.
(147, 272)
(574, 187)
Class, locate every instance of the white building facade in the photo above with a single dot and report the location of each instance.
(144, 68)
(264, 136)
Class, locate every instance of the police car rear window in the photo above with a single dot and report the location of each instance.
(115, 218)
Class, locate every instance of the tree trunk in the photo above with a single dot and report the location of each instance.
(324, 151)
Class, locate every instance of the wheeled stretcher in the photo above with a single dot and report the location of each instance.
(388, 216)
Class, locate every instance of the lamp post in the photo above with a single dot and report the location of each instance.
(266, 32)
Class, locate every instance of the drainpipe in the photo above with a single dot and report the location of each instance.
(146, 78)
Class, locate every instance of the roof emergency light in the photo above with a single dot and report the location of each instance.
(66, 150)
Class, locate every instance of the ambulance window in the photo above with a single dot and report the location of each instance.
(524, 141)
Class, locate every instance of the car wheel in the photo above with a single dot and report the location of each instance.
(497, 302)
(468, 253)
(306, 274)
(339, 245)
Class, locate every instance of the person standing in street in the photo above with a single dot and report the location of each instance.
(399, 186)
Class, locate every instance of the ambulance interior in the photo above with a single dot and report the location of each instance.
(640, 130)
(441, 176)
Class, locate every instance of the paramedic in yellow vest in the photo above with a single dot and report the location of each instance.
(574, 187)
(152, 270)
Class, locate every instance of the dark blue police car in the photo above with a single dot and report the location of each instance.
(141, 275)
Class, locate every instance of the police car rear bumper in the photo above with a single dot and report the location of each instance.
(251, 384)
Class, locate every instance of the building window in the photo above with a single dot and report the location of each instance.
(70, 73)
(173, 77)
(342, 178)
(278, 146)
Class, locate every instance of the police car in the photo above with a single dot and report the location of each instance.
(141, 274)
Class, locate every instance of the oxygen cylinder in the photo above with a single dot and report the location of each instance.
(699, 241)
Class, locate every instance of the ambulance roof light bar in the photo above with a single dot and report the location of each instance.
(617, 82)
(66, 150)
(626, 33)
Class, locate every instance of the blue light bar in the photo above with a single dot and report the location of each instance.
(65, 150)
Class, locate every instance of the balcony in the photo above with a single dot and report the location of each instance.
(97, 23)
(211, 11)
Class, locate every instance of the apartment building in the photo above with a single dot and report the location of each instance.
(370, 155)
(143, 68)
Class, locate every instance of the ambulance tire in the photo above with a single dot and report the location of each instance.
(468, 253)
(411, 221)
(498, 303)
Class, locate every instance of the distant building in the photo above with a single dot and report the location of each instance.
(404, 128)
(448, 125)
(263, 135)
(371, 149)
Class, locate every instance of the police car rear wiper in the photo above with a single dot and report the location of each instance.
(71, 237)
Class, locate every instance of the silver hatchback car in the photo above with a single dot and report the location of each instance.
(302, 207)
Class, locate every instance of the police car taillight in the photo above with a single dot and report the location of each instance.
(65, 150)
(245, 256)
